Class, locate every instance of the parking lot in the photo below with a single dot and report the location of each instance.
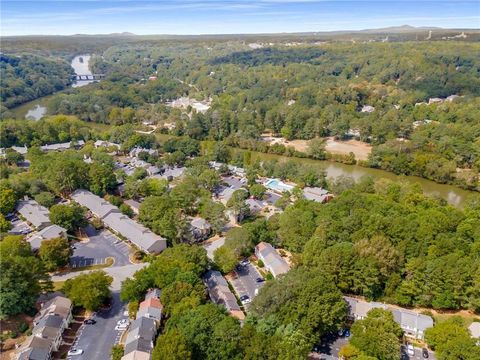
(245, 281)
(97, 340)
(330, 346)
(100, 246)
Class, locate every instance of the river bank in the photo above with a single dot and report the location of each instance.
(452, 194)
(36, 109)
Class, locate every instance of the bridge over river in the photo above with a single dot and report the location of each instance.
(85, 77)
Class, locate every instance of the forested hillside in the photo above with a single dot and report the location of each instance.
(416, 103)
(27, 77)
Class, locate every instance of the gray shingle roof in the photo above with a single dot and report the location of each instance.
(34, 213)
(98, 206)
(142, 327)
(316, 194)
(139, 345)
(219, 290)
(136, 233)
(272, 260)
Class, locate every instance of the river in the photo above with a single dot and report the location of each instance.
(36, 109)
(452, 194)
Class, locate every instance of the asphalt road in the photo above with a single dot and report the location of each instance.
(101, 245)
(417, 356)
(245, 282)
(97, 340)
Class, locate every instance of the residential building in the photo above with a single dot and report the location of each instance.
(62, 146)
(367, 109)
(220, 293)
(136, 233)
(255, 206)
(137, 150)
(271, 259)
(151, 308)
(106, 144)
(53, 318)
(134, 205)
(200, 228)
(170, 173)
(111, 216)
(20, 149)
(137, 355)
(97, 206)
(141, 328)
(34, 213)
(48, 233)
(411, 322)
(317, 194)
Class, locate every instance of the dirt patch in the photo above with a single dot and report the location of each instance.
(299, 145)
(359, 148)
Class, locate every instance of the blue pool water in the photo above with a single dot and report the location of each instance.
(278, 185)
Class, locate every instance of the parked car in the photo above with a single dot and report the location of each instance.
(121, 327)
(123, 321)
(89, 321)
(73, 352)
(425, 353)
(340, 332)
(347, 333)
(260, 279)
(245, 262)
(245, 299)
(410, 350)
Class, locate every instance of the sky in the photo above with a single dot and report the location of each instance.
(184, 17)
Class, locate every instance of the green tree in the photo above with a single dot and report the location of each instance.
(316, 149)
(55, 253)
(225, 258)
(7, 201)
(172, 345)
(5, 225)
(71, 217)
(101, 178)
(22, 278)
(89, 291)
(257, 191)
(377, 335)
(45, 198)
(117, 352)
(238, 205)
(451, 340)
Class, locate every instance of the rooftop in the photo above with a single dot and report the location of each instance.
(98, 206)
(272, 259)
(34, 213)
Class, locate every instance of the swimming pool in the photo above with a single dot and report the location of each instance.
(278, 185)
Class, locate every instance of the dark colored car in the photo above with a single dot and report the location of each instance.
(259, 280)
(346, 333)
(89, 321)
(425, 353)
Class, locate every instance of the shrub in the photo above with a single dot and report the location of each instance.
(260, 263)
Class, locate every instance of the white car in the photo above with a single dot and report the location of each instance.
(121, 327)
(123, 321)
(73, 352)
(410, 350)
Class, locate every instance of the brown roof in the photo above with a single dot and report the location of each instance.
(151, 302)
